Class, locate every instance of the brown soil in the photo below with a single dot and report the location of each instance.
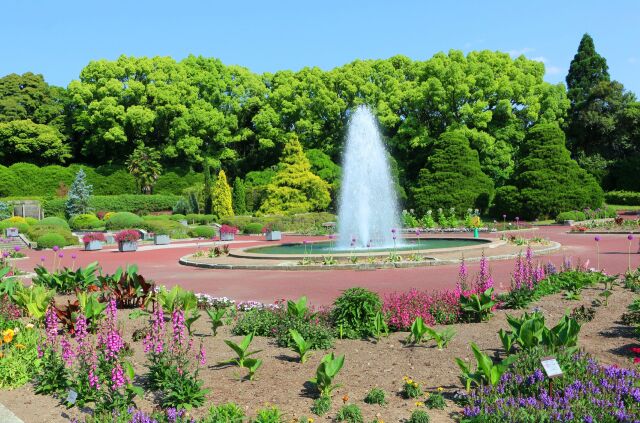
(281, 380)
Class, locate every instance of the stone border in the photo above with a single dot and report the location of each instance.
(244, 253)
(7, 416)
(291, 266)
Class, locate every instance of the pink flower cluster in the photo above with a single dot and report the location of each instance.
(154, 341)
(403, 307)
(526, 274)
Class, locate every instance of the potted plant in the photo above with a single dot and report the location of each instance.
(127, 240)
(93, 241)
(161, 237)
(272, 235)
(228, 233)
(12, 232)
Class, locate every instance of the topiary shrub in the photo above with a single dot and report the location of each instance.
(124, 220)
(548, 180)
(85, 221)
(37, 231)
(165, 227)
(51, 240)
(54, 221)
(253, 228)
(571, 215)
(203, 232)
(177, 216)
(23, 228)
(354, 311)
(452, 177)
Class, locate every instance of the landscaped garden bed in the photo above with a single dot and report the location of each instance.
(371, 358)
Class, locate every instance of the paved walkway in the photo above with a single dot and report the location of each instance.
(322, 287)
(6, 416)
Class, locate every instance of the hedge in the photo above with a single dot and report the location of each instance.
(124, 220)
(51, 240)
(203, 232)
(133, 203)
(25, 179)
(623, 198)
(85, 221)
(165, 227)
(571, 215)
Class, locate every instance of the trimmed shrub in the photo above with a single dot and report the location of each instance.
(50, 240)
(31, 221)
(203, 232)
(253, 228)
(165, 227)
(133, 203)
(201, 219)
(623, 198)
(124, 220)
(452, 177)
(177, 216)
(37, 231)
(548, 180)
(23, 228)
(85, 221)
(571, 215)
(54, 221)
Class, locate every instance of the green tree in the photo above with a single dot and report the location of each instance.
(239, 196)
(547, 180)
(222, 198)
(208, 189)
(144, 165)
(294, 188)
(598, 132)
(24, 140)
(452, 177)
(79, 195)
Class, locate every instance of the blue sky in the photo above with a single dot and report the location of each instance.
(58, 38)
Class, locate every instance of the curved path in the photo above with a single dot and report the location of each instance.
(322, 287)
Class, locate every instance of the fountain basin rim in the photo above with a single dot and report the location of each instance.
(482, 243)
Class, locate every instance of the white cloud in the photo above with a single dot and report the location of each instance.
(520, 52)
(553, 70)
(540, 59)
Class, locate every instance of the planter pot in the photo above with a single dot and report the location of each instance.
(12, 232)
(127, 246)
(93, 246)
(274, 236)
(161, 239)
(227, 237)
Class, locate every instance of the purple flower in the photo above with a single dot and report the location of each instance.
(418, 232)
(61, 254)
(42, 259)
(517, 218)
(393, 231)
(5, 254)
(504, 216)
(56, 248)
(16, 248)
(630, 237)
(73, 256)
(597, 238)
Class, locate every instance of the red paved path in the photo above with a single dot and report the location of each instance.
(321, 287)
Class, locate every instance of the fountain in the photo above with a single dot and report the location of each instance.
(368, 208)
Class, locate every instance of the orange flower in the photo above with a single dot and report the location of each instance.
(7, 335)
(345, 398)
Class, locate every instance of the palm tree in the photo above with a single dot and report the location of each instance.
(143, 164)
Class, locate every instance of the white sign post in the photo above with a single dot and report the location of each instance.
(552, 369)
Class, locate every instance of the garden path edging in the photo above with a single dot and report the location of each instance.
(7, 416)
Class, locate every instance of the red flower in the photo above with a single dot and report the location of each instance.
(635, 350)
(636, 360)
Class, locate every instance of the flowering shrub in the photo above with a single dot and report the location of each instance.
(94, 367)
(93, 236)
(171, 370)
(18, 354)
(226, 229)
(128, 235)
(587, 392)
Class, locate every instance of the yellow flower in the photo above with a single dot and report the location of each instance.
(440, 389)
(20, 346)
(415, 384)
(7, 335)
(419, 404)
(409, 381)
(309, 420)
(405, 377)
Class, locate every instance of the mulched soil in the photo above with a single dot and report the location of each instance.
(282, 380)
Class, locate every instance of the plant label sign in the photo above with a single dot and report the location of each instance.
(551, 367)
(72, 396)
